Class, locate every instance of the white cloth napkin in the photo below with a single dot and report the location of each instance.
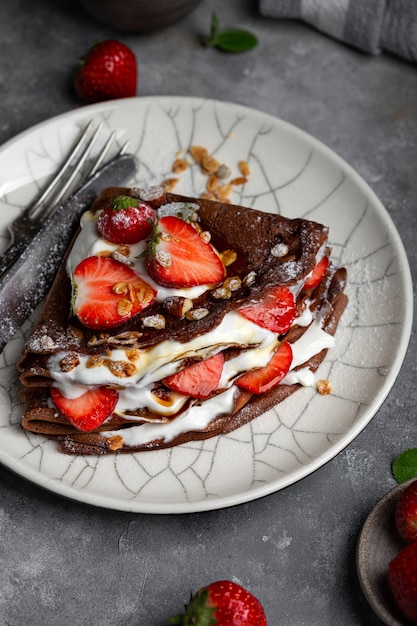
(369, 25)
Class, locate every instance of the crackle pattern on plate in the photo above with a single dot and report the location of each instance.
(292, 174)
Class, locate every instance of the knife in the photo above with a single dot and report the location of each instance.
(29, 279)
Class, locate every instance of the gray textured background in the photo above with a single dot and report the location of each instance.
(66, 563)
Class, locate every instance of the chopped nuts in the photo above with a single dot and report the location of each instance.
(154, 321)
(198, 153)
(121, 257)
(324, 387)
(120, 288)
(114, 443)
(121, 369)
(205, 236)
(69, 362)
(74, 334)
(249, 279)
(196, 314)
(223, 171)
(177, 306)
(223, 192)
(228, 257)
(98, 341)
(180, 165)
(221, 293)
(124, 307)
(244, 168)
(212, 183)
(280, 250)
(163, 258)
(169, 183)
(94, 360)
(133, 354)
(144, 295)
(240, 180)
(154, 195)
(233, 283)
(46, 342)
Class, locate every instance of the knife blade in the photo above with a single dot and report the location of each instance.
(28, 280)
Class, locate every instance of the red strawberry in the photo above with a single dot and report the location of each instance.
(222, 603)
(406, 513)
(179, 257)
(317, 274)
(198, 380)
(126, 220)
(88, 411)
(263, 379)
(402, 578)
(108, 292)
(276, 311)
(108, 71)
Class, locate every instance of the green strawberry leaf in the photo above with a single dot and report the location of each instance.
(124, 202)
(230, 39)
(405, 465)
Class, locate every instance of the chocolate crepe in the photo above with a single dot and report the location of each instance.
(253, 236)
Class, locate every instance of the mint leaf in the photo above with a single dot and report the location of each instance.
(230, 39)
(405, 465)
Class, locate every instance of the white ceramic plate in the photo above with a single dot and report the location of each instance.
(295, 175)
(379, 543)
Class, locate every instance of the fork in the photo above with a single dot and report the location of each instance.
(77, 164)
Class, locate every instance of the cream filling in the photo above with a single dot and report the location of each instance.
(198, 416)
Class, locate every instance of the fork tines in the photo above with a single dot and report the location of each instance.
(78, 165)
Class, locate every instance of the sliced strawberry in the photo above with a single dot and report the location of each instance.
(108, 293)
(126, 220)
(179, 257)
(317, 274)
(88, 411)
(276, 311)
(198, 380)
(263, 379)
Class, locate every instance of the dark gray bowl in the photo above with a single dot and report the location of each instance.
(139, 15)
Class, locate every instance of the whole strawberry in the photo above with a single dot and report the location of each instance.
(108, 71)
(222, 603)
(406, 513)
(402, 578)
(126, 220)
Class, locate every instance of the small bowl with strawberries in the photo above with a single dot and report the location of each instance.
(387, 549)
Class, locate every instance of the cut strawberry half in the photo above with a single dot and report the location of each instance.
(179, 256)
(198, 380)
(276, 311)
(88, 411)
(263, 379)
(317, 274)
(108, 293)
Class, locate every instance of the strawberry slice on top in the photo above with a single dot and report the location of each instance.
(198, 380)
(126, 220)
(179, 257)
(263, 379)
(276, 312)
(107, 293)
(88, 411)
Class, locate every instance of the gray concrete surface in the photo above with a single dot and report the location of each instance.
(62, 562)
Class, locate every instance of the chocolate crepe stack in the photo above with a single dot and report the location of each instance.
(253, 236)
